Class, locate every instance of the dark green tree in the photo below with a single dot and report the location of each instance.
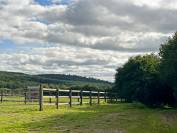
(138, 80)
(168, 67)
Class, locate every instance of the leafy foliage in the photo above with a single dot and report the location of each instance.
(168, 68)
(138, 80)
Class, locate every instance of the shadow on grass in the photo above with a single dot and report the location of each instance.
(79, 119)
(103, 119)
(112, 118)
(66, 122)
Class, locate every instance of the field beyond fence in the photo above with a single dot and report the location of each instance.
(37, 95)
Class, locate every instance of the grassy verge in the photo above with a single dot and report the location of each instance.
(117, 118)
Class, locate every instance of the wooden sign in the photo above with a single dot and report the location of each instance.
(32, 92)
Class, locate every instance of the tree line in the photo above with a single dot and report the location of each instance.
(13, 80)
(150, 79)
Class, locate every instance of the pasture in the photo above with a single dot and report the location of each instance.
(103, 118)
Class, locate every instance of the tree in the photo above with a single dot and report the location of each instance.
(138, 80)
(168, 67)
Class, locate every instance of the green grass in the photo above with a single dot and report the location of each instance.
(53, 99)
(112, 118)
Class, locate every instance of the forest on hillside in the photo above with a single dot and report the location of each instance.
(14, 80)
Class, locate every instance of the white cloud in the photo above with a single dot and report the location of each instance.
(87, 35)
(79, 61)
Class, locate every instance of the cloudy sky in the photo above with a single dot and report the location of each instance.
(84, 37)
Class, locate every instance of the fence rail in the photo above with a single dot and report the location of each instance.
(79, 94)
(48, 96)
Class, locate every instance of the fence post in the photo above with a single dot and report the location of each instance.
(98, 97)
(81, 94)
(70, 98)
(40, 98)
(11, 93)
(50, 100)
(78, 99)
(57, 97)
(105, 96)
(90, 97)
(116, 97)
(110, 95)
(25, 97)
(1, 96)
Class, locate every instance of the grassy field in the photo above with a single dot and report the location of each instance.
(53, 99)
(112, 118)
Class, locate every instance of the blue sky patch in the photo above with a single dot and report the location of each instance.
(7, 44)
(51, 2)
(65, 2)
(44, 2)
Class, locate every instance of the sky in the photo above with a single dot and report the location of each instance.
(90, 38)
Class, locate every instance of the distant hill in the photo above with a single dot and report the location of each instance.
(15, 80)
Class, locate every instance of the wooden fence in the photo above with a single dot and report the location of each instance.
(71, 94)
(12, 95)
(39, 95)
